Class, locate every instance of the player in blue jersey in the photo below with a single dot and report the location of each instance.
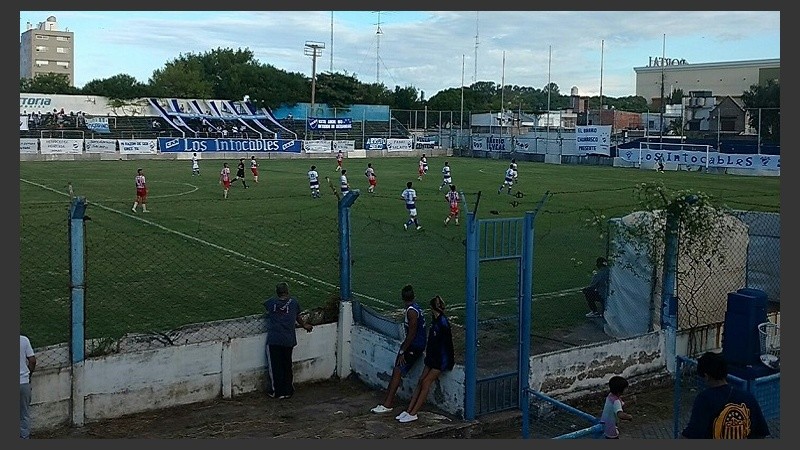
(410, 197)
(313, 182)
(508, 181)
(343, 184)
(447, 178)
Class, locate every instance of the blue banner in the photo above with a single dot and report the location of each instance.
(229, 145)
(375, 144)
(98, 125)
(710, 159)
(316, 123)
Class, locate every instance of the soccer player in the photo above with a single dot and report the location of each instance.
(240, 173)
(225, 179)
(446, 177)
(254, 167)
(370, 174)
(509, 179)
(313, 182)
(421, 168)
(339, 159)
(424, 164)
(453, 199)
(514, 167)
(141, 191)
(343, 184)
(410, 197)
(195, 165)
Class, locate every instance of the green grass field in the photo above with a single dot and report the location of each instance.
(196, 257)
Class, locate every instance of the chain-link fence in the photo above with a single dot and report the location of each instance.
(164, 284)
(44, 284)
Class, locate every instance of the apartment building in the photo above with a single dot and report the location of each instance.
(45, 49)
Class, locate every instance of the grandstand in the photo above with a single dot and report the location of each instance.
(198, 118)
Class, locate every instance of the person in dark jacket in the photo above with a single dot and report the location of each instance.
(723, 411)
(439, 357)
(597, 291)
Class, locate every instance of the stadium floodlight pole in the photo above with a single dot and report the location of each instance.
(314, 50)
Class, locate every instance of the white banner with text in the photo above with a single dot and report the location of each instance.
(100, 145)
(317, 146)
(28, 145)
(61, 146)
(138, 146)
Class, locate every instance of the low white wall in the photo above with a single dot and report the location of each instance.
(124, 383)
(135, 381)
(373, 356)
(572, 372)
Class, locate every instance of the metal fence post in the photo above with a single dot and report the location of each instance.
(77, 245)
(471, 323)
(669, 304)
(345, 203)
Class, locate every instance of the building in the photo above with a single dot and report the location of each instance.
(722, 78)
(45, 49)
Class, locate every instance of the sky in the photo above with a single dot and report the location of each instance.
(430, 50)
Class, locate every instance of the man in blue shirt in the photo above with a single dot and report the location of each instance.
(283, 311)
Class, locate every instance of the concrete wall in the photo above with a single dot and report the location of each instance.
(129, 382)
(140, 380)
(373, 356)
(572, 372)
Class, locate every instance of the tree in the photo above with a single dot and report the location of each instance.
(48, 83)
(700, 229)
(183, 77)
(121, 87)
(767, 99)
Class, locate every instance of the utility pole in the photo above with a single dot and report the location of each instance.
(662, 107)
(331, 42)
(314, 50)
(475, 70)
(461, 119)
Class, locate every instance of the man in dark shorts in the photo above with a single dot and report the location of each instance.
(240, 173)
(411, 350)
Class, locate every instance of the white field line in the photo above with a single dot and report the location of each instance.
(299, 278)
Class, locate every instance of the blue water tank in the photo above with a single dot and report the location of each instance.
(741, 343)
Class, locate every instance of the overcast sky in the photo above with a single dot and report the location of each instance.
(425, 48)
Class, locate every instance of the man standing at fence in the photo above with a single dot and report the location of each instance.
(283, 311)
(27, 363)
(411, 349)
(722, 411)
(141, 191)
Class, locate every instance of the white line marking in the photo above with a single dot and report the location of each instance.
(219, 247)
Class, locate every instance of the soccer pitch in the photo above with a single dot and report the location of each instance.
(196, 257)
